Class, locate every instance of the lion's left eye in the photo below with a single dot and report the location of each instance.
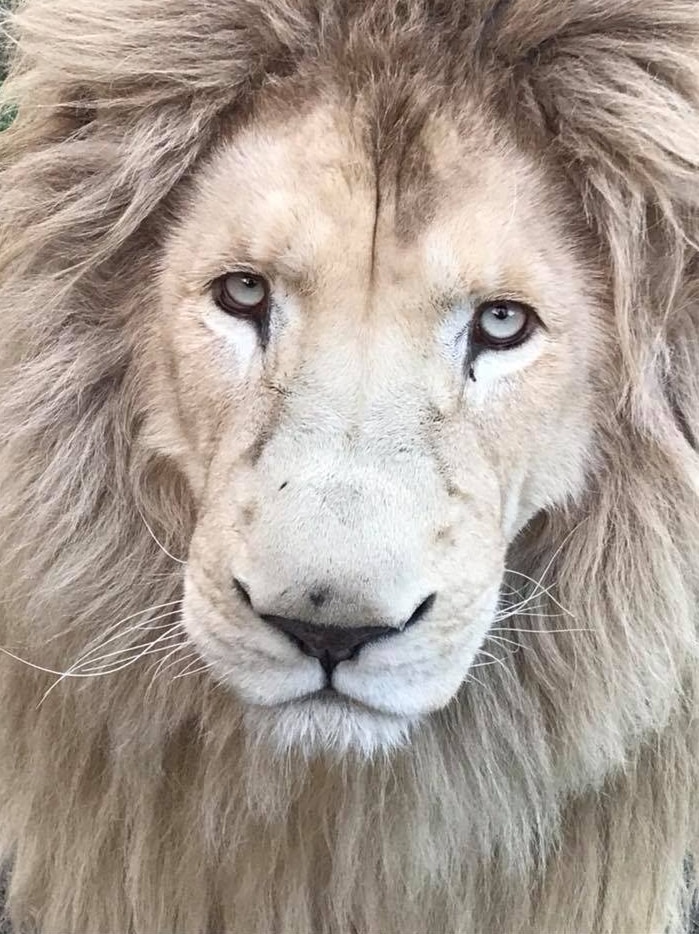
(242, 294)
(502, 323)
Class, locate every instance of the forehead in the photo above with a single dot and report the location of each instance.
(312, 197)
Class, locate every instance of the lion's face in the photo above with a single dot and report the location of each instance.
(371, 385)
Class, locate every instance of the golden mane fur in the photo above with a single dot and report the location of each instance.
(560, 793)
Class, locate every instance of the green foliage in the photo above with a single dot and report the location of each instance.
(7, 114)
(4, 6)
(6, 117)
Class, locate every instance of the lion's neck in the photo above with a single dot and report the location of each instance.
(177, 822)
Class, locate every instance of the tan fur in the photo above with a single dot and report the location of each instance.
(557, 793)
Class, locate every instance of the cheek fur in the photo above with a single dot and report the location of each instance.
(238, 338)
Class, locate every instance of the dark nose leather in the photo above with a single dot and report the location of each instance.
(334, 644)
(329, 644)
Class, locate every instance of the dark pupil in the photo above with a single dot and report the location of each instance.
(501, 312)
(249, 282)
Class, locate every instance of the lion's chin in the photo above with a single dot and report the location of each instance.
(327, 724)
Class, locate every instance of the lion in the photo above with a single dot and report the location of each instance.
(349, 406)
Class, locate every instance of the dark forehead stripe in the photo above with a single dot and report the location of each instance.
(415, 190)
(389, 117)
(395, 115)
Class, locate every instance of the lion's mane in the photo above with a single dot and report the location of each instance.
(560, 792)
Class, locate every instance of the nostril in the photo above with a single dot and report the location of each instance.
(422, 610)
(242, 592)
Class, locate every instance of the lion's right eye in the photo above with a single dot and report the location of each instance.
(501, 324)
(242, 294)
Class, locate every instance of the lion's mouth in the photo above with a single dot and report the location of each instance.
(326, 693)
(329, 696)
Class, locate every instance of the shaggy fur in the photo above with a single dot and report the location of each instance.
(559, 793)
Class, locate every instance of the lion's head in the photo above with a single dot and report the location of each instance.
(349, 409)
(373, 372)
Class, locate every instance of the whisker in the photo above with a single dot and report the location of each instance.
(139, 627)
(470, 677)
(161, 667)
(157, 542)
(532, 615)
(84, 662)
(171, 633)
(496, 661)
(501, 640)
(121, 664)
(540, 589)
(52, 671)
(126, 619)
(490, 655)
(547, 631)
(187, 671)
(49, 671)
(96, 673)
(516, 608)
(539, 584)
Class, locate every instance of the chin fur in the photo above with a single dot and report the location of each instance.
(321, 726)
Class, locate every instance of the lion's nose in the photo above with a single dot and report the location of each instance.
(329, 644)
(334, 644)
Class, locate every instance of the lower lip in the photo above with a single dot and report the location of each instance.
(325, 694)
(331, 696)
